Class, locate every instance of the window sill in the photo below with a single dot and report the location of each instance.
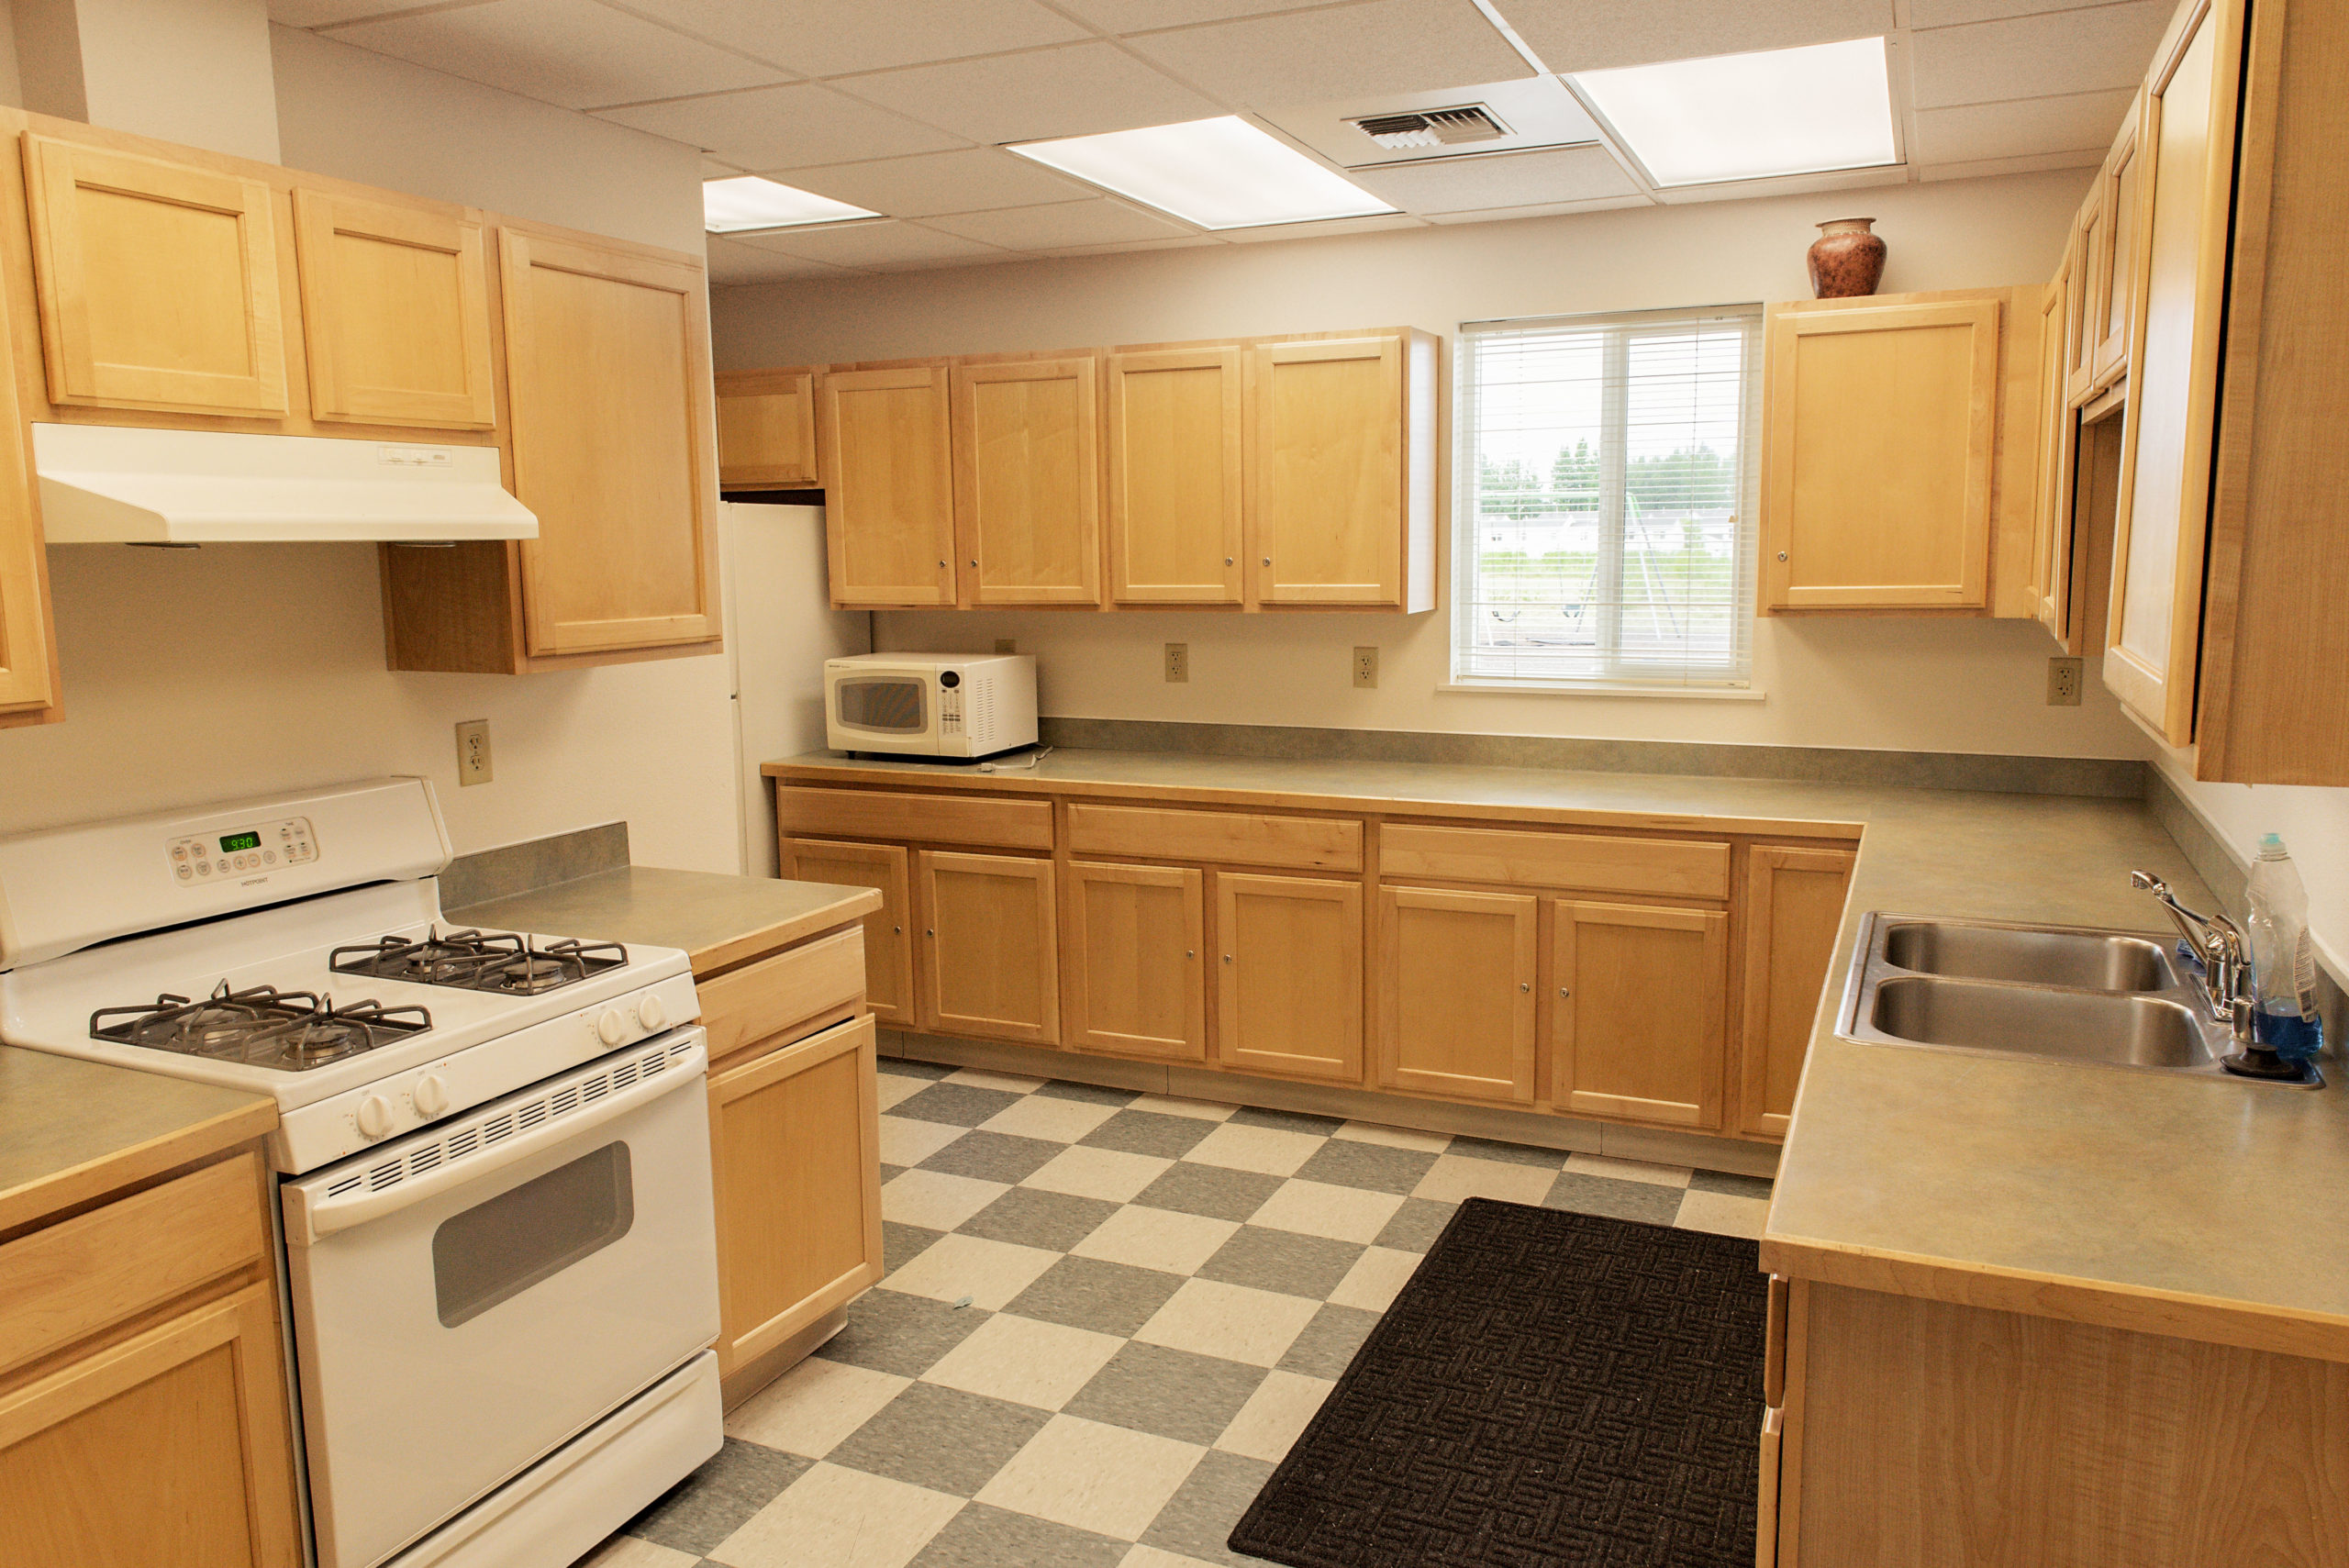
(1577, 689)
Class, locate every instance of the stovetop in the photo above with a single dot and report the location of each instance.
(504, 962)
(260, 1025)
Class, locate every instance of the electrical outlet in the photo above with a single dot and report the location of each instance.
(1178, 661)
(2063, 683)
(1006, 645)
(472, 751)
(1365, 667)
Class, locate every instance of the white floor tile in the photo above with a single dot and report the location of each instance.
(1274, 1416)
(1038, 1115)
(811, 1408)
(981, 1078)
(1723, 1214)
(1233, 1321)
(935, 1199)
(1269, 1151)
(989, 1273)
(895, 1087)
(1627, 1170)
(1319, 1208)
(1394, 1137)
(905, 1142)
(1457, 1176)
(1150, 1557)
(1024, 1360)
(841, 1518)
(1091, 1476)
(1111, 1174)
(1157, 1238)
(1374, 1279)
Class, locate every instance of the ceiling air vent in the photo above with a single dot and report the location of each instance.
(1433, 128)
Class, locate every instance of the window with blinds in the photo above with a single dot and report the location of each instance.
(1606, 473)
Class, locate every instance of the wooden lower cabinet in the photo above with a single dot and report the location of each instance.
(1456, 992)
(1637, 1024)
(889, 949)
(1794, 906)
(1289, 975)
(795, 1150)
(990, 957)
(1134, 965)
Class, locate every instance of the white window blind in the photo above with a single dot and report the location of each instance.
(1607, 471)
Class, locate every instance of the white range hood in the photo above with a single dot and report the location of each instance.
(120, 484)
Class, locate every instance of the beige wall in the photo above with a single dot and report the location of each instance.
(1910, 684)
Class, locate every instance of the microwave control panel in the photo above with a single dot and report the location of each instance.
(950, 704)
(263, 847)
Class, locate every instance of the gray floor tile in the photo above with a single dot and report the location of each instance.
(1723, 1182)
(905, 1067)
(1330, 1342)
(1310, 1266)
(981, 1537)
(1343, 1163)
(1173, 1393)
(1481, 1149)
(888, 1171)
(1287, 1121)
(1091, 1094)
(1416, 1224)
(961, 1104)
(891, 1331)
(1197, 1519)
(940, 1437)
(1619, 1200)
(714, 1501)
(1208, 1189)
(992, 1156)
(1147, 1132)
(1086, 1293)
(1030, 1217)
(901, 1244)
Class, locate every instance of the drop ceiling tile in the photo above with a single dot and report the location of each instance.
(569, 52)
(870, 244)
(784, 127)
(1955, 13)
(732, 263)
(1971, 132)
(1546, 209)
(1361, 51)
(1323, 230)
(2032, 164)
(714, 168)
(1594, 35)
(1099, 221)
(326, 13)
(975, 179)
(1188, 241)
(1140, 15)
(1501, 180)
(823, 37)
(2037, 57)
(1075, 90)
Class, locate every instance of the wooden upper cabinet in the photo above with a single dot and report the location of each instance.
(608, 374)
(889, 485)
(1794, 909)
(1456, 992)
(1136, 964)
(2051, 533)
(1325, 471)
(2118, 183)
(990, 960)
(1636, 1023)
(395, 313)
(1288, 975)
(766, 430)
(2085, 305)
(158, 283)
(1026, 437)
(28, 682)
(1879, 462)
(1176, 534)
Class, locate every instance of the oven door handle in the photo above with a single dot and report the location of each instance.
(313, 1215)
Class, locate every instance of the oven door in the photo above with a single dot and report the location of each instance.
(468, 1298)
(872, 710)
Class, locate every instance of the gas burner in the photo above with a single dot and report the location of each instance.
(498, 962)
(262, 1026)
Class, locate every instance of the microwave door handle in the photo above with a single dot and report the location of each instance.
(312, 1216)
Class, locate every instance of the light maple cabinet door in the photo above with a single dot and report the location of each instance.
(888, 943)
(2052, 531)
(1456, 992)
(171, 1447)
(607, 380)
(1176, 534)
(157, 282)
(2091, 236)
(395, 313)
(766, 430)
(1324, 471)
(794, 1143)
(888, 486)
(1288, 978)
(1638, 1020)
(29, 683)
(1027, 445)
(1135, 959)
(2118, 183)
(1794, 908)
(1879, 456)
(989, 960)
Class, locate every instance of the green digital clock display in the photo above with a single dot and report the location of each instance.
(236, 842)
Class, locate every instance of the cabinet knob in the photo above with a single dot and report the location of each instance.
(1268, 561)
(1525, 985)
(941, 566)
(974, 563)
(897, 931)
(929, 932)
(1564, 992)
(1227, 958)
(1782, 555)
(1226, 560)
(1190, 953)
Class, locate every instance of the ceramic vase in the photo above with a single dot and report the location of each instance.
(1846, 260)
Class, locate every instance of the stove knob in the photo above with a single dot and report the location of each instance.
(611, 1028)
(431, 1094)
(650, 1013)
(375, 1116)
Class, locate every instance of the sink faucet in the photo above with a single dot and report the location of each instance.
(2226, 978)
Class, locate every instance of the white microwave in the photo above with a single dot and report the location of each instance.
(937, 705)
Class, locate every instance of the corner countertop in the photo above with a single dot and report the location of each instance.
(2187, 1206)
(720, 920)
(73, 1130)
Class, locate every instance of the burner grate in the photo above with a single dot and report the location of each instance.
(259, 1025)
(498, 962)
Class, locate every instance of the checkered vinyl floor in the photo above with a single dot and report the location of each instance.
(1105, 1317)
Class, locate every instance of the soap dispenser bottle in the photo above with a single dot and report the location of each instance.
(2282, 957)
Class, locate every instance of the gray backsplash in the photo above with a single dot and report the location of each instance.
(537, 862)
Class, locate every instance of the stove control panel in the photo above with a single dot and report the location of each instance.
(262, 848)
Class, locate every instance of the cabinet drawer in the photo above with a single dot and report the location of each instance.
(745, 1005)
(929, 818)
(1673, 866)
(74, 1278)
(1308, 843)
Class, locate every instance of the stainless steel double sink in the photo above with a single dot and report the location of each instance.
(2064, 994)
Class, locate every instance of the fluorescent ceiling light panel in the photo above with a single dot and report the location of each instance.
(1218, 174)
(746, 201)
(1747, 117)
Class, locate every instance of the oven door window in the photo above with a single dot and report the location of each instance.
(891, 707)
(500, 1248)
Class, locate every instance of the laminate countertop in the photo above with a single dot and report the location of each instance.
(71, 1130)
(720, 920)
(2203, 1208)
